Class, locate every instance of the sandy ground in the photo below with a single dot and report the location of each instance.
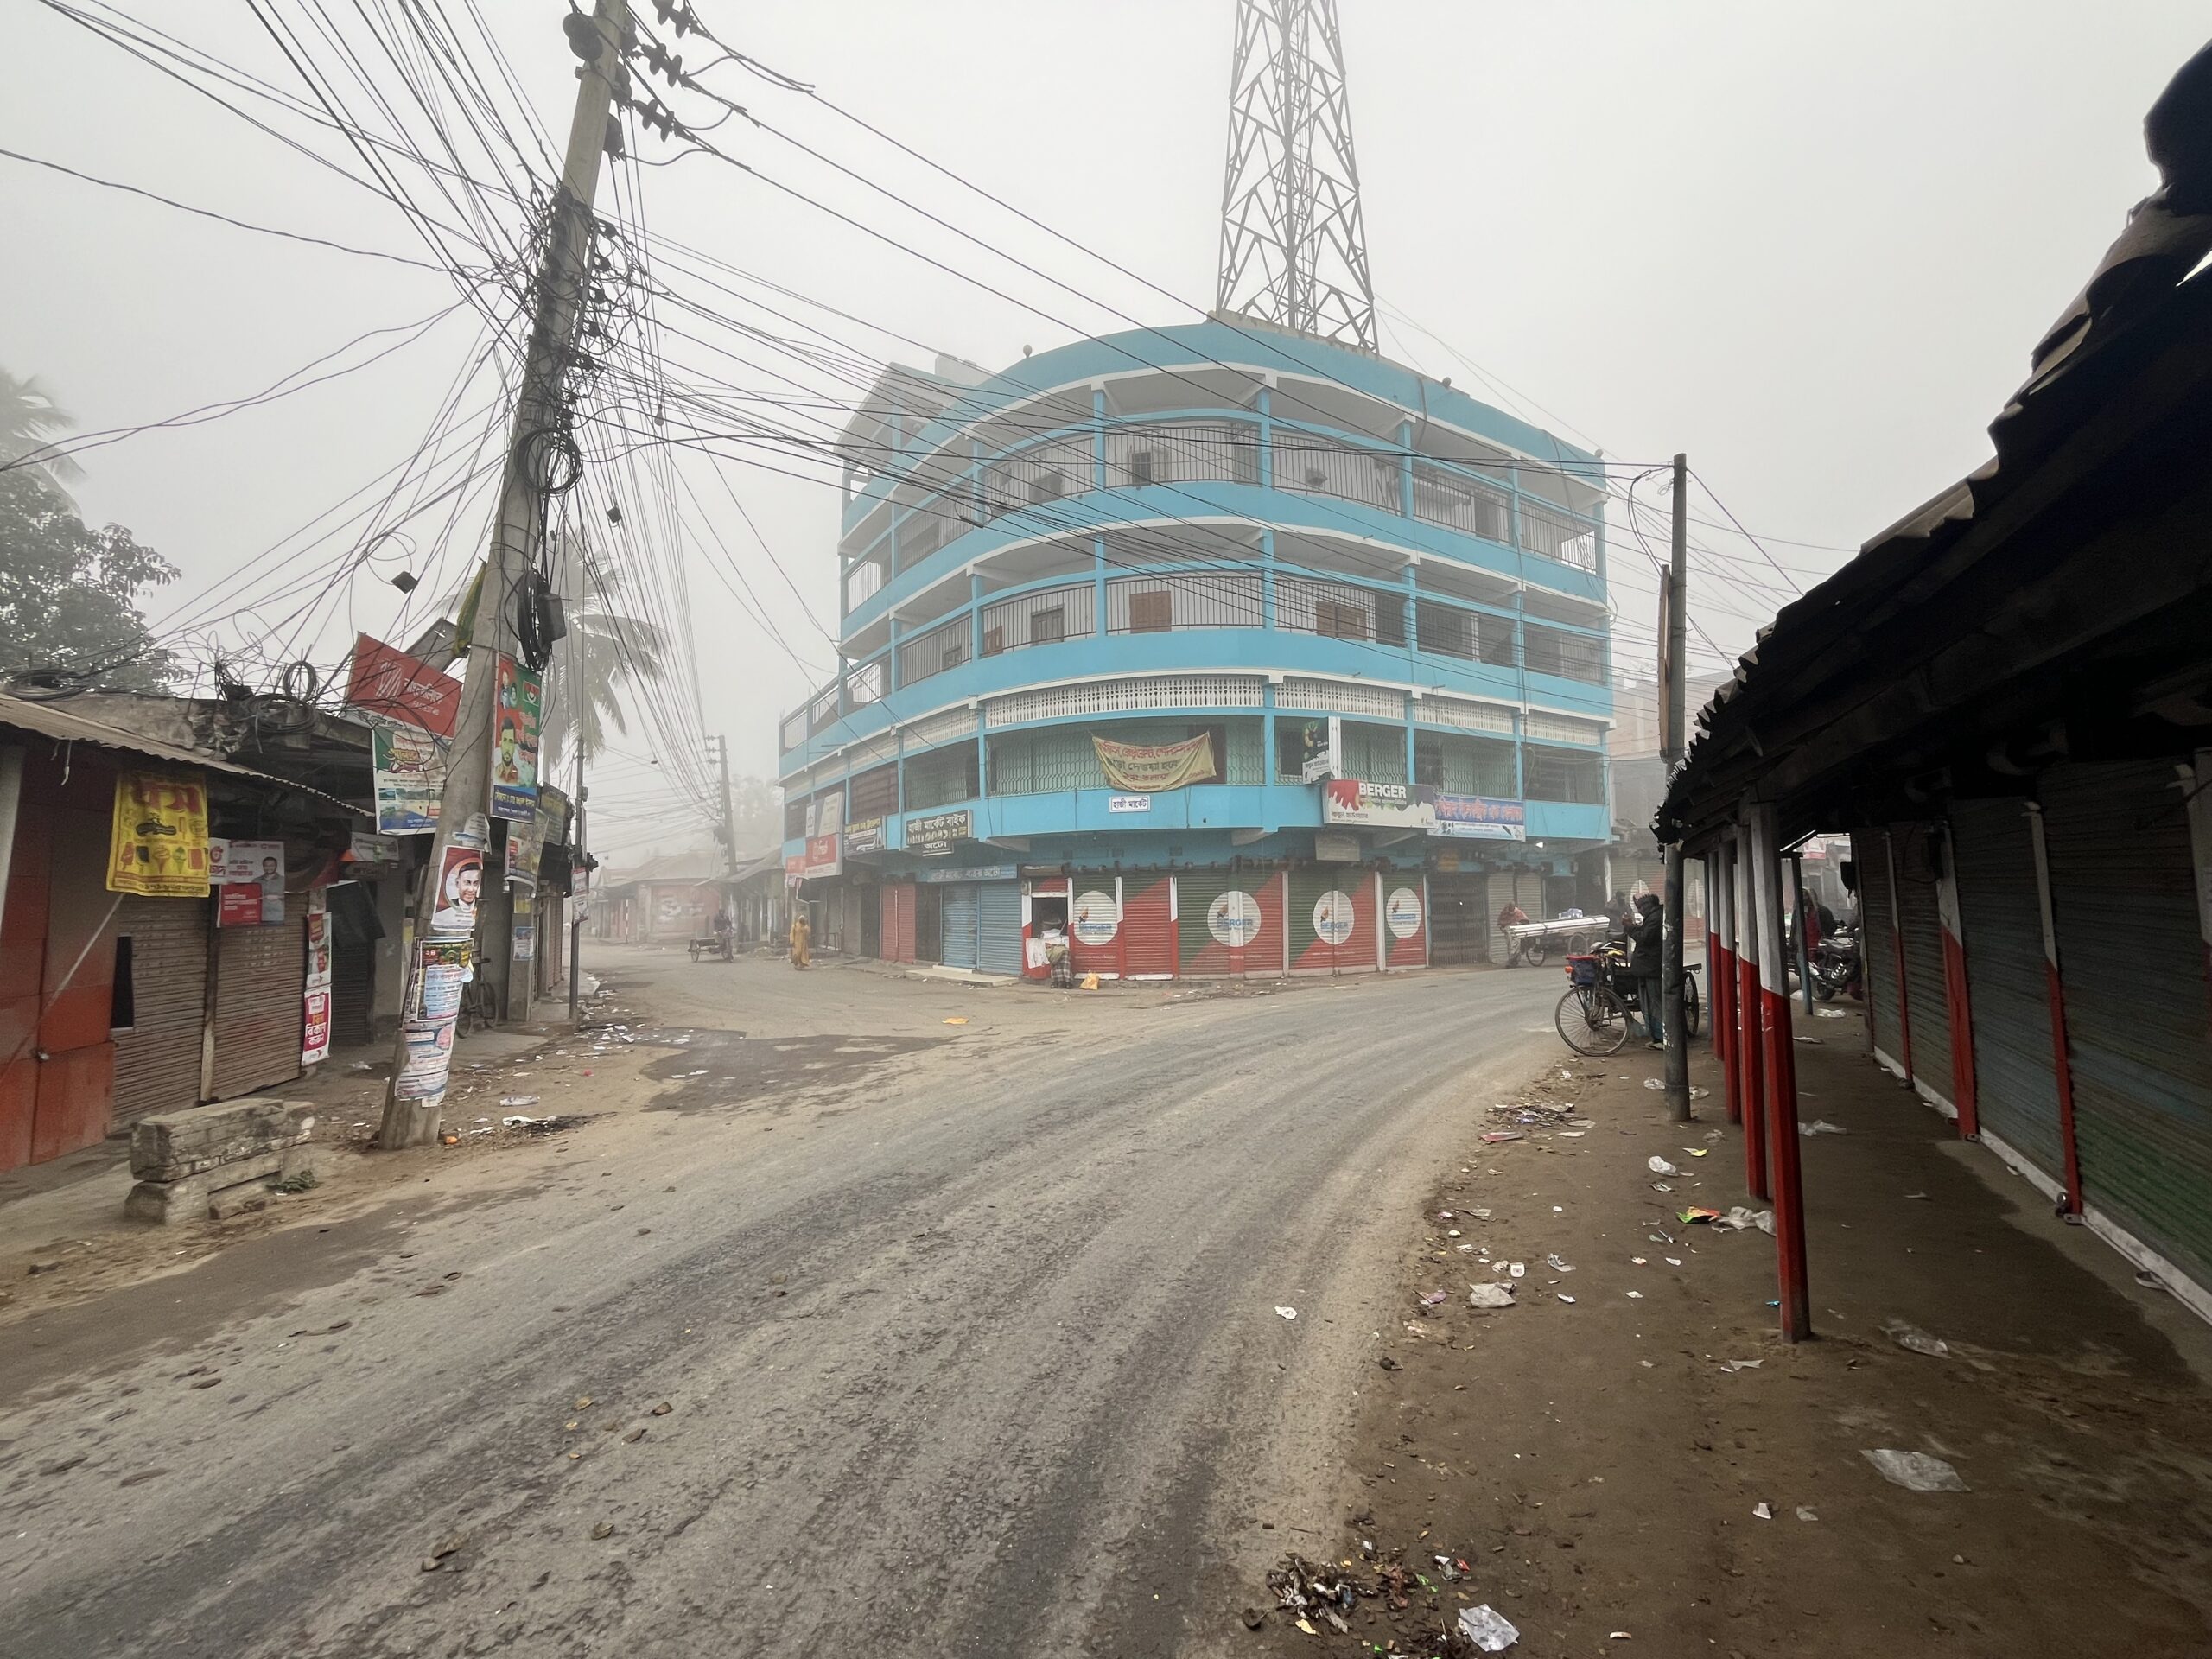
(961, 1301)
(1597, 1464)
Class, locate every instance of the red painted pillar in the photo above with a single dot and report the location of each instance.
(1780, 1055)
(1750, 1023)
(1954, 986)
(1720, 974)
(2054, 981)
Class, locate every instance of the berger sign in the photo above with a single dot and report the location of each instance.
(1352, 800)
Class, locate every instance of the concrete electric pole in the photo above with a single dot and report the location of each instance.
(446, 946)
(1674, 689)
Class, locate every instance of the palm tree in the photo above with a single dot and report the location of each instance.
(30, 420)
(605, 653)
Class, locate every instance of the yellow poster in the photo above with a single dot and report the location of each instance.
(1155, 768)
(159, 847)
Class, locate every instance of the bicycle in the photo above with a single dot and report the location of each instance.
(1592, 1017)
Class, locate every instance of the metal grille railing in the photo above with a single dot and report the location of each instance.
(932, 653)
(1315, 467)
(1451, 501)
(1045, 618)
(1182, 452)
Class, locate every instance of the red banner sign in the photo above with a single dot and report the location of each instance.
(390, 683)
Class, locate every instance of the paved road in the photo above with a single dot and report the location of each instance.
(968, 1334)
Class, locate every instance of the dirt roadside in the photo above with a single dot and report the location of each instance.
(1595, 1468)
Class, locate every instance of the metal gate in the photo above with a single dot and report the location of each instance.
(1878, 954)
(1148, 926)
(1405, 920)
(998, 928)
(871, 921)
(1333, 919)
(2124, 901)
(157, 1057)
(260, 980)
(928, 938)
(1927, 997)
(1459, 918)
(2016, 1078)
(1095, 922)
(896, 926)
(957, 949)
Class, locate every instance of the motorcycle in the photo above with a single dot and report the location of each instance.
(1835, 965)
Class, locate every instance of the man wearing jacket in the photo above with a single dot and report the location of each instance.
(1646, 932)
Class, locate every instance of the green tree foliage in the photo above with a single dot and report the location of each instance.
(607, 652)
(30, 420)
(68, 594)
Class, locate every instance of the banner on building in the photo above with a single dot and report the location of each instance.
(249, 877)
(1320, 748)
(389, 685)
(410, 773)
(1400, 806)
(1155, 768)
(934, 834)
(158, 843)
(520, 699)
(1476, 818)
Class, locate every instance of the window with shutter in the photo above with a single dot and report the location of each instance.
(1048, 627)
(1151, 611)
(1338, 619)
(955, 652)
(1141, 466)
(1389, 620)
(1428, 761)
(994, 641)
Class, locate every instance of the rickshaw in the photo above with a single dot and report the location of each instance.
(1593, 1015)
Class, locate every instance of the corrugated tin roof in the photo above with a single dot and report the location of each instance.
(56, 720)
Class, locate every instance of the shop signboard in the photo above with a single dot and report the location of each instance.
(157, 845)
(934, 834)
(1478, 818)
(1128, 804)
(410, 774)
(1336, 847)
(970, 872)
(1401, 806)
(1155, 768)
(1320, 744)
(865, 837)
(387, 684)
(249, 877)
(519, 696)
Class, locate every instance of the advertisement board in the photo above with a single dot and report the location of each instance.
(158, 842)
(249, 877)
(864, 836)
(410, 775)
(1478, 818)
(934, 834)
(1155, 768)
(514, 742)
(386, 684)
(1320, 747)
(1353, 800)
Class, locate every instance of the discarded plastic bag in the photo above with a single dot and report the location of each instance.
(1912, 1337)
(518, 1100)
(1654, 1083)
(1744, 1220)
(1915, 1471)
(1659, 1165)
(1554, 1262)
(1492, 1295)
(1487, 1628)
(1287, 1313)
(1821, 1126)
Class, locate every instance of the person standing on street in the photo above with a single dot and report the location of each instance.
(1645, 934)
(802, 937)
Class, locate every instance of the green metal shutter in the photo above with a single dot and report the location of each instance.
(960, 921)
(2008, 992)
(1870, 850)
(1195, 892)
(1928, 1003)
(2123, 897)
(998, 927)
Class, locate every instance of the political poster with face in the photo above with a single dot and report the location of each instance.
(519, 697)
(460, 883)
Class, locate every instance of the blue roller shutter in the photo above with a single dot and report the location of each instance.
(999, 927)
(960, 917)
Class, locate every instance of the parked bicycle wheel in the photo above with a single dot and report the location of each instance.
(1536, 950)
(1591, 1020)
(1693, 1010)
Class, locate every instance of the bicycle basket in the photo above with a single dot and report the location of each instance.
(1583, 970)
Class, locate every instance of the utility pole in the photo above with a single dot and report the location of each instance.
(576, 914)
(729, 826)
(1674, 638)
(536, 452)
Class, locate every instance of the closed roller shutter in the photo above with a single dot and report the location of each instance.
(2123, 898)
(896, 924)
(1147, 926)
(1094, 924)
(157, 1059)
(1342, 896)
(960, 921)
(998, 940)
(1877, 955)
(352, 986)
(1927, 997)
(2016, 1078)
(1459, 918)
(1229, 922)
(1405, 920)
(260, 979)
(871, 901)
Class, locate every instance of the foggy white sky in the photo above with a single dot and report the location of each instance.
(1810, 245)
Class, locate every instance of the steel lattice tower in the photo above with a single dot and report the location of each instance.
(1294, 247)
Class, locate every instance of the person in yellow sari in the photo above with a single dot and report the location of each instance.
(802, 940)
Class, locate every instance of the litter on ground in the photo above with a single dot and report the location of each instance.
(1917, 1472)
(1912, 1337)
(1487, 1628)
(1659, 1165)
(1821, 1126)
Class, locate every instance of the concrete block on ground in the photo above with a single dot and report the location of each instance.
(170, 1145)
(242, 1184)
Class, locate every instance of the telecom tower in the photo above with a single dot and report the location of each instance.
(1293, 247)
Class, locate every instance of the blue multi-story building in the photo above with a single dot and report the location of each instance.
(1227, 648)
